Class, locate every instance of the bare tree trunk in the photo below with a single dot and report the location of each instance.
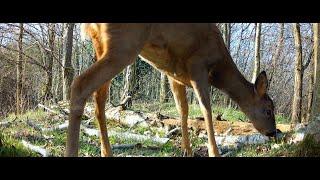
(164, 88)
(316, 98)
(226, 37)
(256, 69)
(68, 71)
(58, 87)
(277, 53)
(130, 80)
(310, 92)
(19, 72)
(50, 54)
(226, 34)
(76, 56)
(297, 97)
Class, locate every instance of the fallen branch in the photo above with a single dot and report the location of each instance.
(126, 117)
(124, 102)
(48, 109)
(6, 123)
(88, 122)
(34, 126)
(126, 146)
(37, 149)
(173, 131)
(126, 135)
(56, 127)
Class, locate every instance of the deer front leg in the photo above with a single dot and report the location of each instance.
(100, 97)
(199, 82)
(180, 97)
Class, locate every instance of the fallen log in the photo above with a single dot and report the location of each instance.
(43, 129)
(127, 117)
(126, 135)
(37, 149)
(5, 123)
(48, 109)
(33, 125)
(57, 127)
(126, 146)
(64, 112)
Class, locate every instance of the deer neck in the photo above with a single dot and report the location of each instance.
(235, 85)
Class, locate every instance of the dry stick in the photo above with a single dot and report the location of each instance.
(37, 149)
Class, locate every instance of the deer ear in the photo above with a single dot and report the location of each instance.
(261, 84)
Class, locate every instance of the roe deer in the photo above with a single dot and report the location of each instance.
(191, 55)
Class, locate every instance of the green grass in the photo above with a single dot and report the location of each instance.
(229, 114)
(282, 119)
(34, 115)
(11, 147)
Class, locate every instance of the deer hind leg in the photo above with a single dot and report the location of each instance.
(123, 48)
(199, 82)
(180, 97)
(100, 97)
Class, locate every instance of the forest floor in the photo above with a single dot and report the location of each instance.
(21, 129)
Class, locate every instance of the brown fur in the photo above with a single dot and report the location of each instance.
(191, 55)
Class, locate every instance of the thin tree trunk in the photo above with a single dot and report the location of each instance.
(19, 72)
(130, 81)
(226, 37)
(316, 98)
(51, 37)
(277, 53)
(68, 71)
(76, 56)
(58, 87)
(256, 69)
(310, 92)
(297, 97)
(164, 88)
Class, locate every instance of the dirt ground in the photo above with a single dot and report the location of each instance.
(220, 127)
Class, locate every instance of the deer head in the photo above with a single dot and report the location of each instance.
(261, 109)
